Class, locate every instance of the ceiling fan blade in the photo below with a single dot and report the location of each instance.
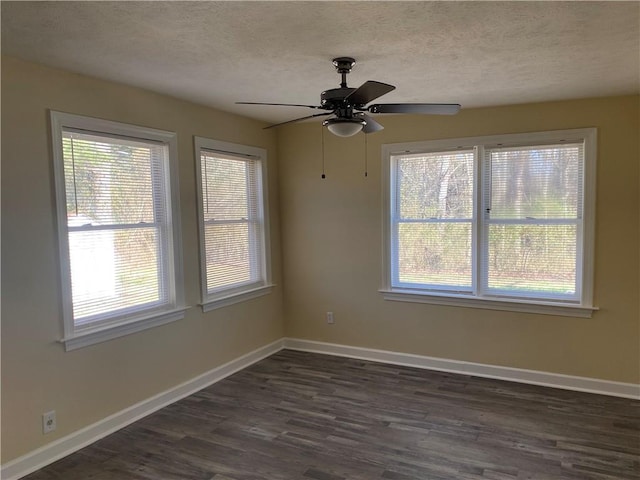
(426, 108)
(368, 91)
(298, 120)
(277, 104)
(372, 126)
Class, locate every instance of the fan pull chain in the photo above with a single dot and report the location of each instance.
(322, 134)
(366, 154)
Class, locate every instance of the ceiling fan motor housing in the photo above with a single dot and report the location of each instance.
(334, 98)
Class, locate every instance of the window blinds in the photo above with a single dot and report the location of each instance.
(433, 219)
(117, 223)
(529, 238)
(533, 219)
(233, 220)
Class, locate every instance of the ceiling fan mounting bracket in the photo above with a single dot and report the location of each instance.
(344, 64)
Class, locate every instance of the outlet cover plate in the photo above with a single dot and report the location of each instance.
(49, 421)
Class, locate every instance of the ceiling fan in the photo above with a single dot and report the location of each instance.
(349, 105)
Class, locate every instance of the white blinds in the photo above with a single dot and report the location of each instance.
(533, 219)
(433, 219)
(538, 182)
(496, 219)
(117, 223)
(233, 220)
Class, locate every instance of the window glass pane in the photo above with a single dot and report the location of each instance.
(228, 253)
(525, 234)
(533, 258)
(116, 203)
(109, 181)
(436, 254)
(435, 185)
(224, 187)
(233, 224)
(536, 182)
(113, 270)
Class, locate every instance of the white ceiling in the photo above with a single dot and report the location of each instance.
(216, 53)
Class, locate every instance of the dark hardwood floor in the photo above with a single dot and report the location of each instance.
(299, 415)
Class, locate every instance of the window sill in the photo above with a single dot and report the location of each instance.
(109, 332)
(232, 298)
(541, 308)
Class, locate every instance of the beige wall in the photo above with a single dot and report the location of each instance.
(86, 385)
(332, 239)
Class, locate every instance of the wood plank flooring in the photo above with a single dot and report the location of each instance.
(306, 416)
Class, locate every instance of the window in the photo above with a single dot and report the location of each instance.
(503, 222)
(233, 222)
(118, 223)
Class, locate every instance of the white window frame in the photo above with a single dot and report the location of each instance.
(582, 307)
(263, 286)
(114, 326)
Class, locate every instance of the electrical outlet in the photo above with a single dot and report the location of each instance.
(330, 319)
(49, 421)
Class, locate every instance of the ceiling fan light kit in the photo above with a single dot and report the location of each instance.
(344, 127)
(348, 105)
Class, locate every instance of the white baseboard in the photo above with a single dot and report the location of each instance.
(555, 380)
(58, 449)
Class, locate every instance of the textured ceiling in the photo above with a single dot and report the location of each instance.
(216, 53)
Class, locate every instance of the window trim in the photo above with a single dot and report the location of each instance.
(473, 222)
(78, 336)
(239, 293)
(582, 308)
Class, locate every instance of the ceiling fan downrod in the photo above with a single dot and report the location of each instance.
(343, 66)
